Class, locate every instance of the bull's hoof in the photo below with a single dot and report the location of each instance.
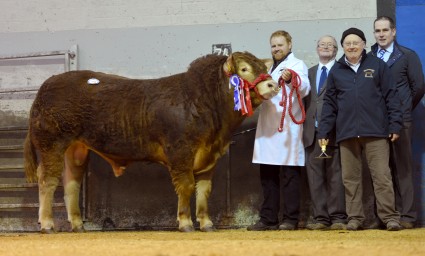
(47, 231)
(186, 229)
(79, 230)
(208, 229)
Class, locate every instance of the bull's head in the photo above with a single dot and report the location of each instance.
(253, 70)
(253, 73)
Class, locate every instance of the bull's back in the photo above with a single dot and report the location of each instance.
(60, 105)
(112, 114)
(98, 97)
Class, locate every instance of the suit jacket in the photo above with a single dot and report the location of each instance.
(313, 104)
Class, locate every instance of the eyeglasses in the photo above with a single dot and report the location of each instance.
(326, 45)
(355, 44)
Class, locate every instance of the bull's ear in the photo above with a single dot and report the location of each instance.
(268, 62)
(228, 66)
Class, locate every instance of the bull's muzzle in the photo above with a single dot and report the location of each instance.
(268, 89)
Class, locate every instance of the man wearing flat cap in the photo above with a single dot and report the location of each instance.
(362, 104)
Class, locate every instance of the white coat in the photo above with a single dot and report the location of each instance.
(282, 148)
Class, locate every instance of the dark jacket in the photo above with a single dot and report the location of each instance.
(313, 103)
(407, 72)
(362, 104)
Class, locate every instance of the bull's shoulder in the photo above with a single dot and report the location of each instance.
(207, 61)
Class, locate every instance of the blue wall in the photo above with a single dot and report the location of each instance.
(411, 33)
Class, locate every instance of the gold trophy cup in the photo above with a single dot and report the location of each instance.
(323, 155)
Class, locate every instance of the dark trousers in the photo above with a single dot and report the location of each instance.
(402, 171)
(270, 182)
(325, 183)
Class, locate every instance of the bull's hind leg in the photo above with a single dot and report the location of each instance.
(184, 184)
(203, 190)
(75, 164)
(49, 172)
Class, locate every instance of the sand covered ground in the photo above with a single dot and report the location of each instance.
(222, 242)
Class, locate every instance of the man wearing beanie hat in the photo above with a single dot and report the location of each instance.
(362, 104)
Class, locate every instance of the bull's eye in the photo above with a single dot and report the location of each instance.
(244, 69)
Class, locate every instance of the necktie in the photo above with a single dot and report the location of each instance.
(323, 77)
(381, 54)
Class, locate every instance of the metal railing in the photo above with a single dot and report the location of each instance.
(71, 56)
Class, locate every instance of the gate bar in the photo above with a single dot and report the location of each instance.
(31, 55)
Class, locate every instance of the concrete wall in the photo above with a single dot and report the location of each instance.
(159, 38)
(56, 15)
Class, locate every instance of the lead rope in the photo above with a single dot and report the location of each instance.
(296, 83)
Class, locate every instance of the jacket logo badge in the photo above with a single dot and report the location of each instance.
(368, 73)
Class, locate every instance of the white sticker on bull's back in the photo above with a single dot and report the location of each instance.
(93, 81)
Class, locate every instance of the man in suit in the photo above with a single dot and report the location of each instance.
(324, 175)
(406, 69)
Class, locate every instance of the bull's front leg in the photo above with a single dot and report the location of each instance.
(203, 190)
(184, 184)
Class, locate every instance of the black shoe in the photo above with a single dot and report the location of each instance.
(338, 226)
(394, 226)
(407, 225)
(317, 226)
(260, 226)
(354, 225)
(287, 226)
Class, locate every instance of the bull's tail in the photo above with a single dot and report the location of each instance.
(30, 160)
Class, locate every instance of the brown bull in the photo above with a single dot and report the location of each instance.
(184, 121)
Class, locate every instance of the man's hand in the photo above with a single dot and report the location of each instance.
(286, 76)
(393, 136)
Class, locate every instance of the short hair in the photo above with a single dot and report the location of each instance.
(392, 23)
(331, 37)
(282, 33)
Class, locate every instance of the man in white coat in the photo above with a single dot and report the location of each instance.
(281, 151)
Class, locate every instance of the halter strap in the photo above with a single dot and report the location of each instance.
(245, 86)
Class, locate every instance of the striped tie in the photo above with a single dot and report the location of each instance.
(381, 54)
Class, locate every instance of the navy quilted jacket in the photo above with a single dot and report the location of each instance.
(362, 104)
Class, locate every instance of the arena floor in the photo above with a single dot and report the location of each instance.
(222, 242)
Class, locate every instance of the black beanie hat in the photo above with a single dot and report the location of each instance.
(354, 31)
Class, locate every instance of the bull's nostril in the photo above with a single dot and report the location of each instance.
(270, 85)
